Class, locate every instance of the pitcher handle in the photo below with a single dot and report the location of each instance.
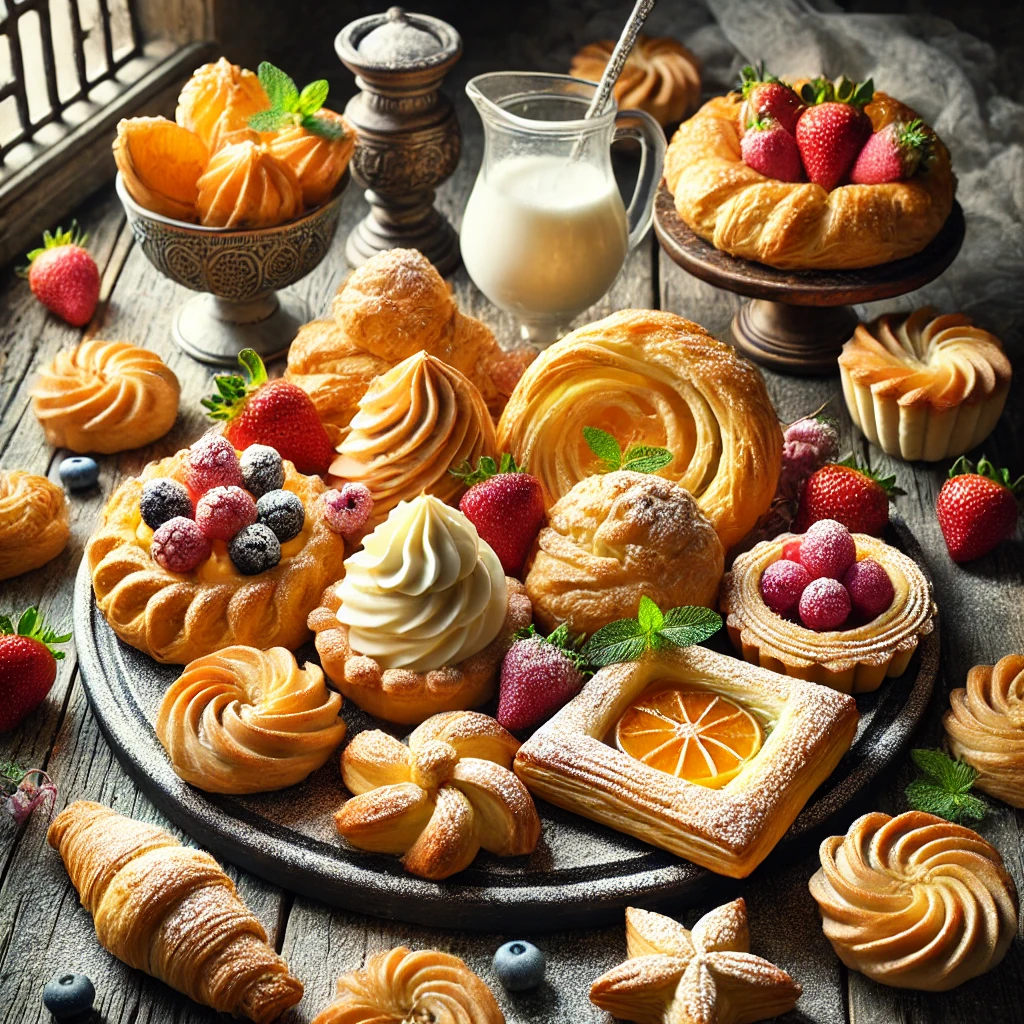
(640, 126)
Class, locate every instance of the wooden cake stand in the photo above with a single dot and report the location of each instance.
(799, 319)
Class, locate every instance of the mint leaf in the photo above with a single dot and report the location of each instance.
(649, 615)
(281, 90)
(604, 446)
(313, 97)
(622, 640)
(944, 788)
(646, 458)
(689, 625)
(271, 120)
(324, 127)
(937, 768)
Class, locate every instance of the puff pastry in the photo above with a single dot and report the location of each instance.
(33, 522)
(246, 186)
(653, 378)
(798, 225)
(915, 901)
(571, 763)
(985, 727)
(924, 386)
(439, 800)
(249, 721)
(854, 660)
(318, 162)
(106, 397)
(614, 538)
(217, 102)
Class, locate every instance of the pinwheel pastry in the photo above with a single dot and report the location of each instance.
(651, 378)
(401, 987)
(692, 751)
(673, 975)
(614, 538)
(439, 800)
(423, 617)
(170, 910)
(318, 162)
(924, 386)
(915, 901)
(249, 721)
(105, 396)
(217, 102)
(985, 727)
(33, 522)
(246, 186)
(854, 658)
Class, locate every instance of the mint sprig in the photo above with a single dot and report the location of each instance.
(944, 788)
(638, 458)
(289, 106)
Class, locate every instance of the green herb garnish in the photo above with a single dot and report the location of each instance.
(944, 788)
(639, 458)
(289, 107)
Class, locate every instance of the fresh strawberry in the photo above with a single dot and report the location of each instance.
(271, 412)
(833, 128)
(764, 96)
(28, 665)
(849, 493)
(539, 675)
(506, 505)
(977, 508)
(64, 277)
(892, 154)
(770, 149)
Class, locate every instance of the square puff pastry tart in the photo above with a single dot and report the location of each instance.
(572, 763)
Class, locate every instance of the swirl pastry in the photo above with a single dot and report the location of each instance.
(249, 721)
(415, 423)
(318, 163)
(33, 522)
(176, 617)
(854, 660)
(650, 377)
(401, 986)
(422, 618)
(660, 77)
(924, 386)
(798, 225)
(915, 901)
(614, 538)
(217, 102)
(106, 397)
(440, 800)
(985, 727)
(246, 186)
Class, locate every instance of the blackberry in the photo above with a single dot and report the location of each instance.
(262, 470)
(163, 499)
(282, 511)
(254, 549)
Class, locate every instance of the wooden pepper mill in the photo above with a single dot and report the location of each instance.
(408, 134)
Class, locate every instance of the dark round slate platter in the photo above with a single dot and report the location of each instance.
(581, 873)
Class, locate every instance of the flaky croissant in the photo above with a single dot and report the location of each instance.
(170, 910)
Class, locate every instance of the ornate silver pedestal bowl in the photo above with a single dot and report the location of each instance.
(238, 271)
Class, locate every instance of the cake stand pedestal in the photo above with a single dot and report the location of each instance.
(799, 319)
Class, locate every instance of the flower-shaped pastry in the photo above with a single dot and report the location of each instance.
(249, 721)
(704, 976)
(33, 522)
(437, 801)
(318, 163)
(246, 186)
(915, 901)
(217, 102)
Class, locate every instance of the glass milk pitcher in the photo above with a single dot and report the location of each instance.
(545, 231)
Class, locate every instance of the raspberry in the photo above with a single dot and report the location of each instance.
(869, 587)
(820, 434)
(791, 550)
(282, 511)
(827, 549)
(347, 510)
(262, 469)
(782, 583)
(799, 461)
(223, 511)
(179, 545)
(255, 549)
(825, 604)
(212, 462)
(163, 499)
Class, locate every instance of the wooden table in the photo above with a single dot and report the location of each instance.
(43, 929)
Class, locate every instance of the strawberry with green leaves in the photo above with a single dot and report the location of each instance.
(833, 128)
(64, 277)
(28, 665)
(766, 97)
(849, 493)
(770, 150)
(289, 106)
(892, 154)
(977, 508)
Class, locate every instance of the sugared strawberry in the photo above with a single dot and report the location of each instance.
(211, 462)
(277, 413)
(539, 675)
(869, 586)
(764, 96)
(179, 545)
(824, 605)
(850, 493)
(506, 505)
(64, 277)
(977, 508)
(827, 550)
(222, 511)
(892, 154)
(769, 149)
(782, 583)
(833, 129)
(348, 508)
(28, 665)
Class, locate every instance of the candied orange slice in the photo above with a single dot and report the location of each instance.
(693, 734)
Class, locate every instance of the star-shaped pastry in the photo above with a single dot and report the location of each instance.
(704, 976)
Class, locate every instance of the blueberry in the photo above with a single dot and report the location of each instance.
(262, 469)
(519, 965)
(254, 549)
(69, 995)
(163, 499)
(79, 473)
(282, 511)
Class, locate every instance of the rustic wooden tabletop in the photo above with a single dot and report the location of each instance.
(43, 929)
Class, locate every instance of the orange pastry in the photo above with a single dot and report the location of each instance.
(217, 102)
(318, 162)
(246, 186)
(33, 522)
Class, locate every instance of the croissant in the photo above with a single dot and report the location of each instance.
(170, 911)
(33, 522)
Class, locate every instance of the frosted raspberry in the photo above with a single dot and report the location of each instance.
(782, 583)
(791, 550)
(346, 510)
(827, 549)
(179, 545)
(212, 462)
(799, 461)
(824, 604)
(222, 511)
(820, 434)
(870, 588)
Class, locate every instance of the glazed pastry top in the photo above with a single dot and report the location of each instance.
(246, 186)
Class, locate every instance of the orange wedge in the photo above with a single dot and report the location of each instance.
(692, 734)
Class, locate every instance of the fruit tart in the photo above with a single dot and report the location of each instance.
(203, 550)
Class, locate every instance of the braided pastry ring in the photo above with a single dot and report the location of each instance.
(33, 522)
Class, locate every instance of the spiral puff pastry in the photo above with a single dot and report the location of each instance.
(106, 397)
(249, 721)
(650, 377)
(33, 522)
(915, 901)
